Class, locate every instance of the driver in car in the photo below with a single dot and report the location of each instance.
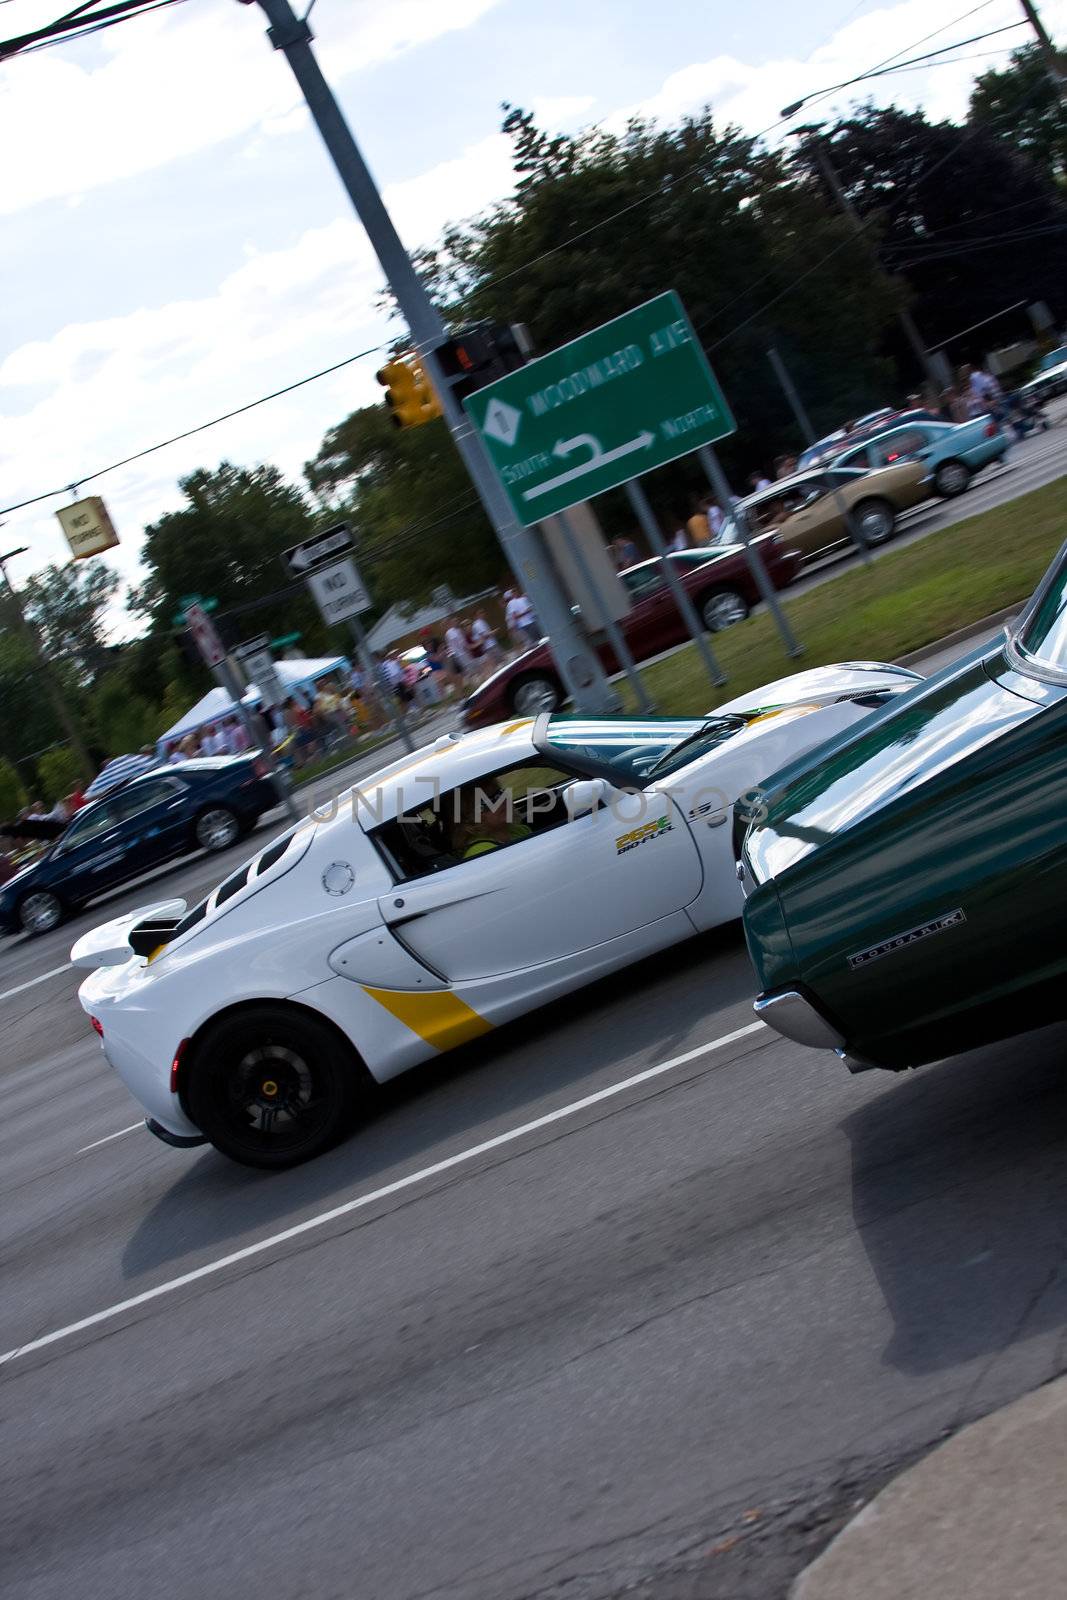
(483, 821)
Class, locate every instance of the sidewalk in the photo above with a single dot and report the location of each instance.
(983, 1517)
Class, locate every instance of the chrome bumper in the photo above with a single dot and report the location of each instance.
(796, 1018)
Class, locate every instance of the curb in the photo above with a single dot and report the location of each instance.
(961, 635)
(980, 1517)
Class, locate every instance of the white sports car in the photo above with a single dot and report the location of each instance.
(454, 891)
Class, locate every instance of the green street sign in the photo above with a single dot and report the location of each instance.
(285, 641)
(193, 600)
(633, 394)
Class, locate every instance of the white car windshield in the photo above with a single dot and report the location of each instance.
(633, 752)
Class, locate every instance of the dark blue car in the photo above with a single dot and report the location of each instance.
(204, 804)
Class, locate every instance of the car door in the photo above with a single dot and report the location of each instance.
(153, 818)
(91, 855)
(652, 623)
(816, 523)
(552, 894)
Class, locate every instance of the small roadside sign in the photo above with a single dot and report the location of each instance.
(629, 396)
(301, 558)
(258, 664)
(205, 635)
(87, 527)
(338, 591)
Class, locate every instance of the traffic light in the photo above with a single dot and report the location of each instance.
(480, 354)
(409, 393)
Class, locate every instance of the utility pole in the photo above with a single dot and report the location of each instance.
(813, 140)
(1054, 62)
(66, 718)
(579, 666)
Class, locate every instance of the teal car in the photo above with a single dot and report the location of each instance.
(952, 452)
(907, 885)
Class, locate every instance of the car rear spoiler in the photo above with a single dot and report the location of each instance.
(113, 943)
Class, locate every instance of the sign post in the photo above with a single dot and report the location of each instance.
(631, 395)
(341, 596)
(258, 665)
(206, 638)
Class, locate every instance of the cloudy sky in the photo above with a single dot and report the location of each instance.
(176, 243)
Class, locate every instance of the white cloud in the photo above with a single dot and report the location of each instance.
(174, 83)
(97, 390)
(753, 94)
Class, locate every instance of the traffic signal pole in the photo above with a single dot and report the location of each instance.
(579, 667)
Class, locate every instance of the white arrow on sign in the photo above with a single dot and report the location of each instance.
(599, 458)
(310, 554)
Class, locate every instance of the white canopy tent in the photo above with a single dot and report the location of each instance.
(217, 703)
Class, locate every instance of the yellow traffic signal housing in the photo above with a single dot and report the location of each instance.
(409, 393)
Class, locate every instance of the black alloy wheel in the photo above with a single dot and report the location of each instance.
(271, 1088)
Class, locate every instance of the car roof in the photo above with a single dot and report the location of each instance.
(782, 485)
(416, 780)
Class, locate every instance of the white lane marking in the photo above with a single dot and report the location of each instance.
(360, 1201)
(133, 1128)
(9, 994)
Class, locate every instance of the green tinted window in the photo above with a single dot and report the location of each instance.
(635, 751)
(1045, 635)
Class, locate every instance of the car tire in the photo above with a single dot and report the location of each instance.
(216, 828)
(952, 478)
(40, 911)
(876, 520)
(535, 693)
(723, 608)
(271, 1087)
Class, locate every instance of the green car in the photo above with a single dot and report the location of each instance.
(907, 884)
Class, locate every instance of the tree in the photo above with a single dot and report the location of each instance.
(419, 522)
(124, 719)
(67, 606)
(225, 543)
(972, 226)
(58, 773)
(602, 221)
(1019, 107)
(12, 793)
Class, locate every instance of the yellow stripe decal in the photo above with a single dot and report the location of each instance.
(516, 727)
(438, 1016)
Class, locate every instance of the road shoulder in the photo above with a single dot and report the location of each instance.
(982, 1517)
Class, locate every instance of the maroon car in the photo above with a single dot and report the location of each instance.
(719, 583)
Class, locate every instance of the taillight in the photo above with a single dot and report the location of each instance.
(991, 430)
(260, 768)
(176, 1065)
(97, 1025)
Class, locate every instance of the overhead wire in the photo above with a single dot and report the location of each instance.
(126, 10)
(201, 427)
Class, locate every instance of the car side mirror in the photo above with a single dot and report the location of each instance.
(586, 795)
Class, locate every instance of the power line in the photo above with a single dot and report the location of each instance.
(699, 167)
(201, 427)
(75, 24)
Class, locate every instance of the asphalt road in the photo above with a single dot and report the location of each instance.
(633, 1296)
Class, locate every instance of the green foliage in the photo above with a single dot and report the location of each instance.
(225, 543)
(1018, 105)
(419, 521)
(972, 224)
(12, 794)
(603, 221)
(124, 720)
(58, 773)
(66, 605)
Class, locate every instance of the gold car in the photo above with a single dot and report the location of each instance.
(808, 512)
